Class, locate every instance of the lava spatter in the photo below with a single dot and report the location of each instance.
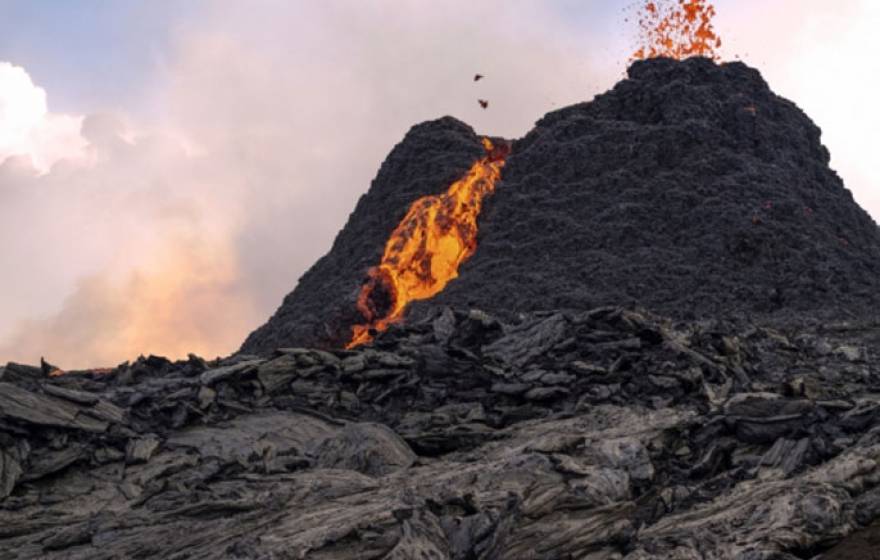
(677, 30)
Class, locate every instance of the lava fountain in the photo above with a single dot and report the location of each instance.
(438, 234)
(677, 30)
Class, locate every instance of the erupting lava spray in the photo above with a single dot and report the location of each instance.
(438, 233)
(677, 31)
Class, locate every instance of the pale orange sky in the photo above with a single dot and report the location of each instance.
(171, 208)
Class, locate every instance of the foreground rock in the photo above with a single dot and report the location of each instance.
(608, 434)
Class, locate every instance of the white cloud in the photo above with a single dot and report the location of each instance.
(28, 129)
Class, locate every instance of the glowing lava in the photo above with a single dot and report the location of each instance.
(424, 252)
(678, 31)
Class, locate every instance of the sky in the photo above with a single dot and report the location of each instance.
(168, 169)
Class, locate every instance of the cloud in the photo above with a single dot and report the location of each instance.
(128, 249)
(28, 129)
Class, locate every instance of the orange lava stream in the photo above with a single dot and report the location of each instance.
(677, 31)
(438, 233)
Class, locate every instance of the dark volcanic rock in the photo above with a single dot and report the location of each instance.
(621, 436)
(322, 309)
(689, 189)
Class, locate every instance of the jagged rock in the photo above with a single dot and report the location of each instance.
(80, 397)
(277, 373)
(530, 340)
(206, 397)
(140, 450)
(32, 408)
(626, 454)
(851, 353)
(545, 393)
(213, 376)
(371, 449)
(10, 472)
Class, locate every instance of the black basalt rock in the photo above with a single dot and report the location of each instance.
(689, 189)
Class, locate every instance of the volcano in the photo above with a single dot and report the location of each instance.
(645, 330)
(690, 189)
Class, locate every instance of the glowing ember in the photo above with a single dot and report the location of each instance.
(679, 30)
(424, 252)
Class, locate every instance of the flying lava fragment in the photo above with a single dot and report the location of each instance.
(483, 103)
(677, 29)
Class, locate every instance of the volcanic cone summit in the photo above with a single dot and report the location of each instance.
(689, 189)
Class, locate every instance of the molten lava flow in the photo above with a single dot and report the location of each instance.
(677, 31)
(424, 252)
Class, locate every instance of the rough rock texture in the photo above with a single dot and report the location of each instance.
(690, 189)
(321, 310)
(604, 434)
